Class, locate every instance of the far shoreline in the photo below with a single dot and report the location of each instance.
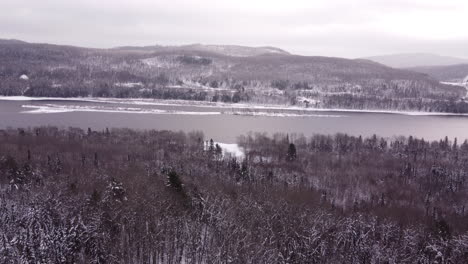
(240, 106)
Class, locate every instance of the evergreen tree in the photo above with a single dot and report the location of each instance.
(244, 170)
(115, 191)
(219, 150)
(173, 181)
(383, 144)
(96, 160)
(292, 155)
(211, 147)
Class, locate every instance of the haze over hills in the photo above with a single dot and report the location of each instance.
(217, 73)
(451, 73)
(408, 60)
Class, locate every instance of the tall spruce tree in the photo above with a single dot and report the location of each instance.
(292, 155)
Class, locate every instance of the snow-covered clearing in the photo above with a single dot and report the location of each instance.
(232, 149)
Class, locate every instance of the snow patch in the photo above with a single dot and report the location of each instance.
(160, 63)
(129, 84)
(454, 83)
(270, 114)
(232, 149)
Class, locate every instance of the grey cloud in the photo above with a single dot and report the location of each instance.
(331, 28)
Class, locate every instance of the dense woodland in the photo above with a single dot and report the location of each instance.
(202, 73)
(125, 196)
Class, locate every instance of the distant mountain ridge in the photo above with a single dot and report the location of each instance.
(409, 60)
(228, 50)
(11, 41)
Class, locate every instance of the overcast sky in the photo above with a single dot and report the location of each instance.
(344, 28)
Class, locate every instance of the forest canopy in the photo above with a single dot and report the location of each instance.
(127, 196)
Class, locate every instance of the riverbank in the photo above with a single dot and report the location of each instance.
(236, 108)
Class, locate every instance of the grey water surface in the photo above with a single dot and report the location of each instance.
(227, 127)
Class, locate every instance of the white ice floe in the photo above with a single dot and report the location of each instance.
(53, 108)
(46, 110)
(454, 83)
(56, 108)
(28, 98)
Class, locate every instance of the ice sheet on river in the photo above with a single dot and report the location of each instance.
(279, 110)
(57, 108)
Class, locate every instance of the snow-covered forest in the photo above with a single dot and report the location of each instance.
(207, 73)
(125, 196)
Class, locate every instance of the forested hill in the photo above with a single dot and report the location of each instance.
(215, 72)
